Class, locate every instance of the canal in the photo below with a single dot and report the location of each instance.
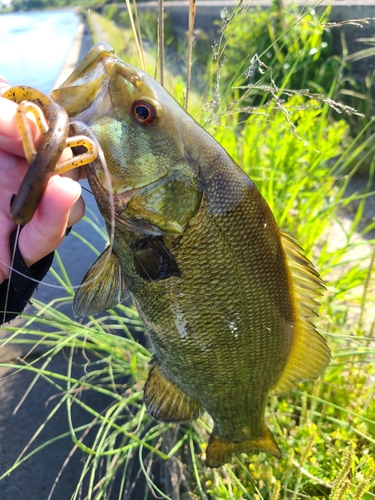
(34, 46)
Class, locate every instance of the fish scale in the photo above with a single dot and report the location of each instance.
(213, 324)
(225, 296)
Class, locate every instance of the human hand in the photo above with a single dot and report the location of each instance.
(61, 205)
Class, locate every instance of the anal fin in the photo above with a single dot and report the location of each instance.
(165, 401)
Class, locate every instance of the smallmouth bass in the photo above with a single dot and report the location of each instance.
(225, 296)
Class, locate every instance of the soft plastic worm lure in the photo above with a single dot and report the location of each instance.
(43, 163)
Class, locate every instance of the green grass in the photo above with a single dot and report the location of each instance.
(302, 159)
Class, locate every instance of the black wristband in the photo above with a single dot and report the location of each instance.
(16, 292)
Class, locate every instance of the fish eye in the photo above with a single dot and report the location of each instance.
(144, 112)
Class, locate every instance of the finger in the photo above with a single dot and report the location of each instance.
(4, 85)
(74, 174)
(12, 171)
(83, 173)
(6, 228)
(67, 154)
(46, 230)
(10, 137)
(77, 212)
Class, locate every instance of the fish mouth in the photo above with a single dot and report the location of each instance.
(90, 68)
(88, 84)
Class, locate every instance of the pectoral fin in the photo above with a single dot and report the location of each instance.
(102, 287)
(165, 401)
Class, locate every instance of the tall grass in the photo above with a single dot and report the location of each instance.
(302, 158)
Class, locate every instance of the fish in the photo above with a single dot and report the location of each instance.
(226, 297)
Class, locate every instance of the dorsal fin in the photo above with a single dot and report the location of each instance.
(310, 353)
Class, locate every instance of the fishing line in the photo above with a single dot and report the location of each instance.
(10, 274)
(29, 278)
(87, 190)
(82, 127)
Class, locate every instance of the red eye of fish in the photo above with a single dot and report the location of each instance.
(144, 112)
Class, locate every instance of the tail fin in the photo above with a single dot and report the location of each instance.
(220, 451)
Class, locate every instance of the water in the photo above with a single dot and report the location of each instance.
(35, 45)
